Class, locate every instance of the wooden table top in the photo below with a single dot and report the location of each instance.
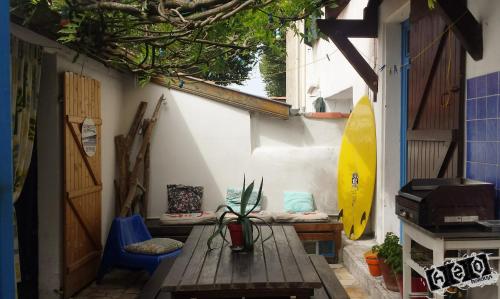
(277, 263)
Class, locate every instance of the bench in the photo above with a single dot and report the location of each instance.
(152, 287)
(317, 231)
(332, 289)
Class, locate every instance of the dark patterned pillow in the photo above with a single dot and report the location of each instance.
(184, 199)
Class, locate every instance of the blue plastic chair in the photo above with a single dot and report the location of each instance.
(125, 231)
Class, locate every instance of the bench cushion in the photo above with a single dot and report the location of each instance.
(233, 199)
(282, 217)
(298, 202)
(154, 246)
(188, 218)
(184, 199)
(262, 216)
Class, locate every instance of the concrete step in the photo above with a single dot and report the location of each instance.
(350, 284)
(354, 261)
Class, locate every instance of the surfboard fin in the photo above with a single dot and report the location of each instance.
(341, 214)
(351, 232)
(363, 218)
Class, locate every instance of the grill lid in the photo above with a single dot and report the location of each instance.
(418, 189)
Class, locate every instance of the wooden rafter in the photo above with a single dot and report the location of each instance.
(463, 24)
(340, 30)
(227, 96)
(357, 61)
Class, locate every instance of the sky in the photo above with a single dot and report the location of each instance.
(254, 85)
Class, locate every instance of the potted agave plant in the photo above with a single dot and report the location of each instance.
(242, 225)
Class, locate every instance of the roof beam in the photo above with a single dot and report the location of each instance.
(355, 59)
(340, 30)
(226, 95)
(351, 28)
(463, 24)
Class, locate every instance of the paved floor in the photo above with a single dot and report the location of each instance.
(124, 284)
(118, 284)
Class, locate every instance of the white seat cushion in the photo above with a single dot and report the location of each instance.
(316, 216)
(188, 218)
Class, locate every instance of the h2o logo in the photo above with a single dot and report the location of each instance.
(467, 272)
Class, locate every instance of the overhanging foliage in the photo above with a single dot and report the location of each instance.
(217, 40)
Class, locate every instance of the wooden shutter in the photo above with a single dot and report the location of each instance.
(82, 183)
(435, 97)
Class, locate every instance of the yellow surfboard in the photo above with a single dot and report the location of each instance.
(357, 169)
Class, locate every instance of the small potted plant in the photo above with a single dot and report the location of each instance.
(390, 256)
(240, 227)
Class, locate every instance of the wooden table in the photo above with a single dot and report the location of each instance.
(278, 267)
(307, 231)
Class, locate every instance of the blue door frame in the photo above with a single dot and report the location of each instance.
(405, 74)
(6, 206)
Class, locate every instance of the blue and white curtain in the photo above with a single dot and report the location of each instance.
(26, 64)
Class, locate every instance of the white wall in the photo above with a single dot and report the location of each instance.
(328, 77)
(388, 117)
(202, 142)
(50, 179)
(50, 154)
(488, 13)
(295, 76)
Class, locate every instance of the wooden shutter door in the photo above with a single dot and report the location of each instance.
(435, 97)
(82, 183)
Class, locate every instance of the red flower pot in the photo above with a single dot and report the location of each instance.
(418, 285)
(236, 232)
(373, 264)
(389, 277)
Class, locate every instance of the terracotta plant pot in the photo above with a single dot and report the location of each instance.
(373, 264)
(389, 277)
(399, 280)
(236, 232)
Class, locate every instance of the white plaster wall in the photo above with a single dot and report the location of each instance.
(388, 117)
(488, 13)
(295, 77)
(202, 142)
(299, 154)
(50, 155)
(324, 70)
(195, 142)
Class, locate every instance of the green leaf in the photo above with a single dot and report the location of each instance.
(259, 197)
(245, 197)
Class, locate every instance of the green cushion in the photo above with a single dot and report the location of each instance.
(233, 198)
(297, 202)
(154, 246)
